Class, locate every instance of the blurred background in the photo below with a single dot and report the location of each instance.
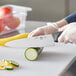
(45, 10)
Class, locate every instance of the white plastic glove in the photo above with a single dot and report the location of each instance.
(49, 28)
(68, 34)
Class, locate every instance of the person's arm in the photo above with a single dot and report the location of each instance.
(61, 23)
(50, 28)
(69, 19)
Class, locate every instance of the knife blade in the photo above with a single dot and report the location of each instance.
(37, 41)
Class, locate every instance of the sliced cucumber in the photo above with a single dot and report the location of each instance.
(14, 63)
(8, 64)
(8, 68)
(32, 53)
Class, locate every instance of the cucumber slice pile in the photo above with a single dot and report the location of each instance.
(32, 54)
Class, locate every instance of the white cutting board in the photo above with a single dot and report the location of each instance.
(51, 62)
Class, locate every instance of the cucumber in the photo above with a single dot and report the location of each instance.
(14, 63)
(32, 54)
(8, 68)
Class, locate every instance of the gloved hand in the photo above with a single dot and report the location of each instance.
(49, 28)
(68, 34)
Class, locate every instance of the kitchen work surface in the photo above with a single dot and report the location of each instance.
(51, 62)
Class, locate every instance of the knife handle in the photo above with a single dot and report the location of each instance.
(5, 40)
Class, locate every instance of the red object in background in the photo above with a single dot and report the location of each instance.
(2, 26)
(13, 22)
(5, 14)
(5, 11)
(7, 19)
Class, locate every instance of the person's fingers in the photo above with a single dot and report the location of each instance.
(66, 40)
(33, 34)
(61, 38)
(69, 33)
(30, 35)
(37, 32)
(72, 40)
